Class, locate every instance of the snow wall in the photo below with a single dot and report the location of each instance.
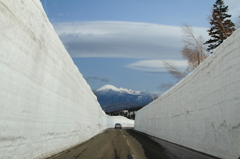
(202, 111)
(46, 105)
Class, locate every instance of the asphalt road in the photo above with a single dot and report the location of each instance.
(128, 144)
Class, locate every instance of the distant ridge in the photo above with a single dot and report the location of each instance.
(112, 98)
(121, 106)
(108, 87)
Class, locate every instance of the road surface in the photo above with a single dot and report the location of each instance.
(128, 144)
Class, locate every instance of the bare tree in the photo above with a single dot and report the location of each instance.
(173, 70)
(166, 86)
(154, 97)
(193, 51)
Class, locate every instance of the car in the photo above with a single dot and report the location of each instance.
(118, 125)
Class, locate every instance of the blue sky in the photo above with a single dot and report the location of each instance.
(170, 12)
(123, 42)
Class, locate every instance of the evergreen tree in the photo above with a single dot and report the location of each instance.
(221, 25)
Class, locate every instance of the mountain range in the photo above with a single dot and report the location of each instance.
(112, 98)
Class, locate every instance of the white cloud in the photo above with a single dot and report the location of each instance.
(122, 39)
(156, 65)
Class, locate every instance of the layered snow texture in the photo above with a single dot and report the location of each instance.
(46, 105)
(201, 112)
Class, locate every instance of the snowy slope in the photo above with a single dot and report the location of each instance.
(108, 96)
(108, 87)
(46, 105)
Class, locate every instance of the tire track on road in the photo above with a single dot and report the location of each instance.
(116, 156)
(84, 149)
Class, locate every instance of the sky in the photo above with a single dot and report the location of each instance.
(123, 42)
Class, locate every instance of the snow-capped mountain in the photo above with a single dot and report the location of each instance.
(110, 96)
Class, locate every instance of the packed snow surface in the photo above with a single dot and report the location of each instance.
(202, 111)
(46, 105)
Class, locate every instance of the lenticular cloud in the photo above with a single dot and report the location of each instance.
(121, 39)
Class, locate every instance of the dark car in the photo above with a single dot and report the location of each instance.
(118, 125)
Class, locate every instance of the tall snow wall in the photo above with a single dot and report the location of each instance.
(46, 105)
(201, 112)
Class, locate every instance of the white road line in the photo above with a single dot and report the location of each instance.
(128, 143)
(132, 156)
